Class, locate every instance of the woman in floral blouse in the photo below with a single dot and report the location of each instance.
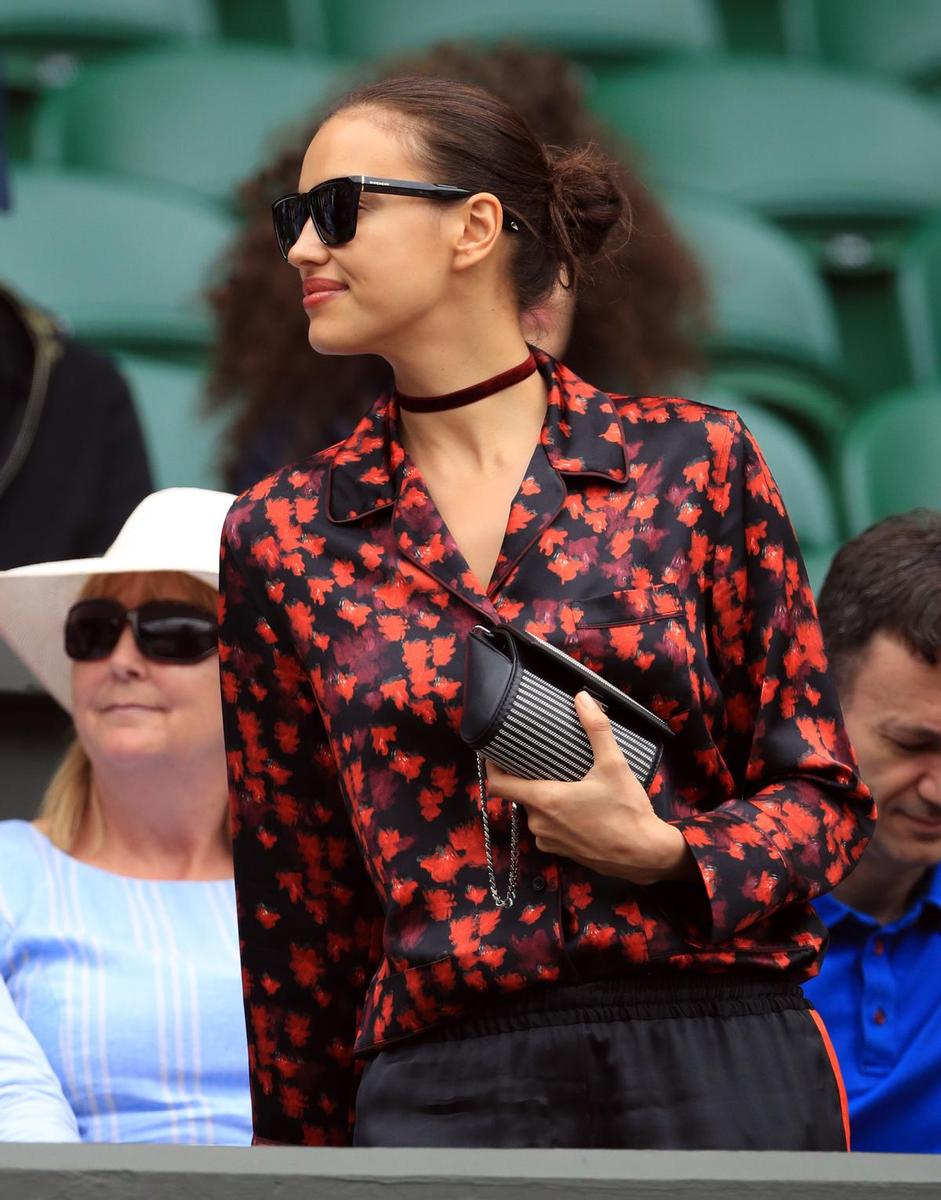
(643, 988)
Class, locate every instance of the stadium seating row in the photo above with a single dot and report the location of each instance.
(823, 257)
(126, 264)
(871, 36)
(799, 152)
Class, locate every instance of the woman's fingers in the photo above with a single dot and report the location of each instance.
(594, 721)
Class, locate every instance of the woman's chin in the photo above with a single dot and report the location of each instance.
(127, 747)
(326, 343)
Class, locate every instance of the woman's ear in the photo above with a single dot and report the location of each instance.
(481, 223)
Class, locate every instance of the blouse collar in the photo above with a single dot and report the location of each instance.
(582, 435)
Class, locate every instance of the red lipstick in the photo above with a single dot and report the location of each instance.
(318, 291)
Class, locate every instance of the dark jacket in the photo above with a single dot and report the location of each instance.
(647, 539)
(72, 459)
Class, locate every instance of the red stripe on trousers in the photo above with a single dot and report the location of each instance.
(838, 1074)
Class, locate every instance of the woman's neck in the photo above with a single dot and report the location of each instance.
(479, 435)
(437, 366)
(157, 821)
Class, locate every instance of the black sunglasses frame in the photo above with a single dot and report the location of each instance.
(284, 208)
(193, 630)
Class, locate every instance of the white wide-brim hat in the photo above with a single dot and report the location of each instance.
(178, 529)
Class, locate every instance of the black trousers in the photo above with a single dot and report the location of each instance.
(713, 1064)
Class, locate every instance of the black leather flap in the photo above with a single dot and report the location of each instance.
(489, 684)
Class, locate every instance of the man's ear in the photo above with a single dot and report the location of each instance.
(481, 223)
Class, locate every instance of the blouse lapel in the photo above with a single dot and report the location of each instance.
(581, 435)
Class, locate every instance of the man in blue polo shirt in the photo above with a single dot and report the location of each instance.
(879, 990)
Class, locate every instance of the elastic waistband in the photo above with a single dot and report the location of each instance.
(636, 998)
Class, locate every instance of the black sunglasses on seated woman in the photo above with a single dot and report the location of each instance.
(334, 205)
(168, 631)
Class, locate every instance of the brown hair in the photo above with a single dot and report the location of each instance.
(565, 201)
(637, 312)
(69, 795)
(887, 579)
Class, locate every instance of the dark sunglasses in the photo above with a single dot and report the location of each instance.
(169, 631)
(333, 207)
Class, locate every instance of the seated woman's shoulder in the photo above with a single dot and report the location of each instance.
(22, 846)
(21, 841)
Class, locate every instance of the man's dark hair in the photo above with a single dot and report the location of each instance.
(887, 579)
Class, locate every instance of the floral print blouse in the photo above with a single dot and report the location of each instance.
(647, 539)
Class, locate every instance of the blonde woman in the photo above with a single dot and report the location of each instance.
(120, 1003)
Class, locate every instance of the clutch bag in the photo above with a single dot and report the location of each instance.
(519, 709)
(519, 712)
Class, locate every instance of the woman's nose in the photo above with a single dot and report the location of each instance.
(125, 660)
(308, 248)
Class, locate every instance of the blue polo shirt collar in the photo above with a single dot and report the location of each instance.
(927, 901)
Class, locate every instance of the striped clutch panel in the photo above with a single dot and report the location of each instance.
(541, 738)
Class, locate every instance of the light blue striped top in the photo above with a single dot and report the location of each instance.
(121, 1014)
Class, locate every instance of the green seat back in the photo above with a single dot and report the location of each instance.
(919, 299)
(902, 39)
(183, 442)
(841, 157)
(849, 165)
(773, 333)
(753, 25)
(798, 474)
(200, 117)
(766, 295)
(45, 41)
(300, 23)
(123, 264)
(891, 457)
(592, 29)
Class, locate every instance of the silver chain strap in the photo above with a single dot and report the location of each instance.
(513, 875)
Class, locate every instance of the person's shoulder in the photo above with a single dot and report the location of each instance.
(298, 484)
(90, 374)
(17, 835)
(21, 859)
(703, 428)
(297, 496)
(683, 410)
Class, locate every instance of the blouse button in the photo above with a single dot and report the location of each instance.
(539, 883)
(879, 1016)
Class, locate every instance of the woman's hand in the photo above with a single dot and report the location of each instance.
(604, 821)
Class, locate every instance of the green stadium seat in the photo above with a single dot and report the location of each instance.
(773, 332)
(919, 299)
(44, 42)
(901, 39)
(797, 472)
(795, 141)
(299, 23)
(846, 164)
(753, 25)
(891, 455)
(586, 30)
(124, 265)
(183, 441)
(200, 117)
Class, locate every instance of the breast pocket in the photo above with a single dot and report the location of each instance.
(629, 606)
(637, 639)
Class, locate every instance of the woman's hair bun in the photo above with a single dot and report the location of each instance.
(586, 201)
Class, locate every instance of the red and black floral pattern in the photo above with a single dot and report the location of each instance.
(648, 539)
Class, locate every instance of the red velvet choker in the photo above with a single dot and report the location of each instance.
(477, 391)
